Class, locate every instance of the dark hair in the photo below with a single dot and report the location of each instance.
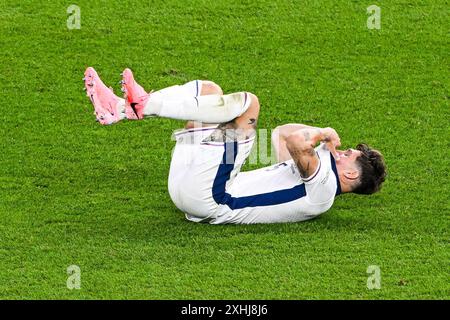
(372, 170)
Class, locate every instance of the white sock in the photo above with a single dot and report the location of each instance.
(189, 89)
(210, 108)
(121, 108)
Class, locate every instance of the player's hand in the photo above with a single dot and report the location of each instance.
(332, 141)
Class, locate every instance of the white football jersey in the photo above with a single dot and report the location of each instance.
(279, 194)
(205, 182)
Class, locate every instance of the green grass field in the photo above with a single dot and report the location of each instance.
(73, 192)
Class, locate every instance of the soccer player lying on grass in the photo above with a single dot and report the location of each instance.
(204, 179)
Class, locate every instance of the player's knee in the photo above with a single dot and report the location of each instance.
(209, 87)
(254, 104)
(249, 119)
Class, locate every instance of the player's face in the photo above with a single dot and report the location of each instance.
(348, 157)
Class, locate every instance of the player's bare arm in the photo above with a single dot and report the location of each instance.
(301, 144)
(279, 135)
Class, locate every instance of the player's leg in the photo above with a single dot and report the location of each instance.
(242, 127)
(193, 88)
(206, 88)
(190, 89)
(209, 87)
(109, 108)
(207, 108)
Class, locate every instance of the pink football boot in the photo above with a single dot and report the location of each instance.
(135, 96)
(108, 107)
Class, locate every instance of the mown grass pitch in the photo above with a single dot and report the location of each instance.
(76, 193)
